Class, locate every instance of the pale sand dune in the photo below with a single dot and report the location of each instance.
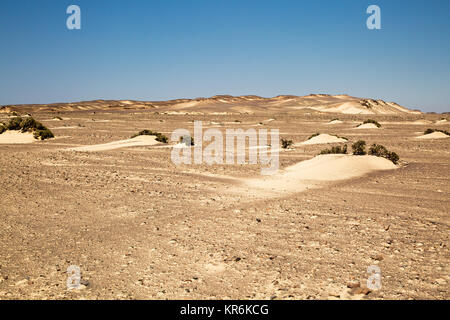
(139, 141)
(335, 122)
(16, 137)
(322, 139)
(422, 122)
(308, 174)
(433, 135)
(367, 126)
(442, 121)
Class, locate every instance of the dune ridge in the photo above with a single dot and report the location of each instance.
(221, 104)
(139, 141)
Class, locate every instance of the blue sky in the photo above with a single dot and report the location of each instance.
(158, 50)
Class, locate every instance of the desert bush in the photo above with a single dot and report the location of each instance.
(335, 150)
(372, 121)
(29, 125)
(359, 148)
(14, 124)
(187, 140)
(285, 143)
(381, 151)
(159, 136)
(43, 134)
(2, 128)
(428, 131)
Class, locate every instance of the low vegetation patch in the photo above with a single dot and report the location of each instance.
(28, 125)
(381, 151)
(285, 143)
(372, 121)
(428, 131)
(375, 150)
(359, 148)
(159, 136)
(335, 150)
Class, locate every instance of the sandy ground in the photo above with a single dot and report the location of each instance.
(140, 227)
(322, 138)
(139, 141)
(16, 137)
(433, 135)
(367, 126)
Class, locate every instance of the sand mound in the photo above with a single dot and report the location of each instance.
(422, 122)
(335, 122)
(441, 121)
(16, 137)
(333, 167)
(322, 139)
(367, 126)
(433, 135)
(139, 141)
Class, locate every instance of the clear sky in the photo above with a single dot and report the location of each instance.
(164, 49)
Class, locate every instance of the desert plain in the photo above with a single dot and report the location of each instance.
(141, 227)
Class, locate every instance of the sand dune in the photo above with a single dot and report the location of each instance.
(442, 121)
(226, 104)
(139, 141)
(433, 135)
(16, 137)
(335, 122)
(322, 139)
(367, 126)
(307, 174)
(422, 122)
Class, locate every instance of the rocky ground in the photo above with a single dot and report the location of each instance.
(140, 227)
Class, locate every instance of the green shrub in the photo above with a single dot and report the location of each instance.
(359, 148)
(159, 136)
(335, 150)
(43, 134)
(428, 131)
(372, 121)
(29, 125)
(381, 151)
(285, 143)
(14, 124)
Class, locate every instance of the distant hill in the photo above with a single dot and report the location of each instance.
(230, 104)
